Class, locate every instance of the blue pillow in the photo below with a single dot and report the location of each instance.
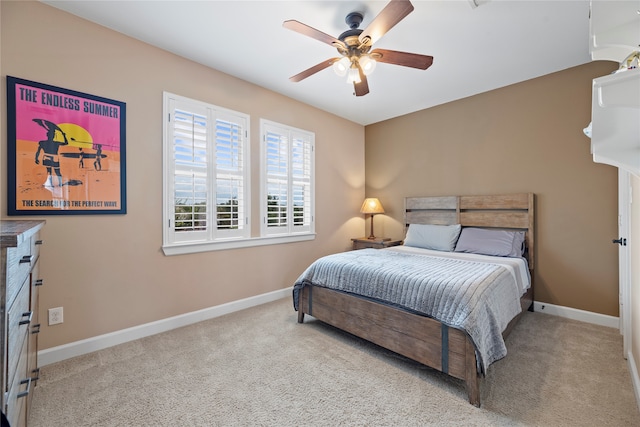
(430, 236)
(491, 242)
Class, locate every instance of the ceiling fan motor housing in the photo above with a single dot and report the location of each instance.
(355, 48)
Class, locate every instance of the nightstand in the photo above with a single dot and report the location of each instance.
(377, 243)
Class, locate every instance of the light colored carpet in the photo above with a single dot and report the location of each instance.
(259, 367)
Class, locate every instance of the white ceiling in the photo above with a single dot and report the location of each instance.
(475, 49)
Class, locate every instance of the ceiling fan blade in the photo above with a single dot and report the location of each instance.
(311, 71)
(308, 31)
(392, 13)
(361, 88)
(405, 59)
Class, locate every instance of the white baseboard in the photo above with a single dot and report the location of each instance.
(635, 378)
(575, 314)
(89, 345)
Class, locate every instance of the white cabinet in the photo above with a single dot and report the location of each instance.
(615, 108)
(614, 29)
(615, 115)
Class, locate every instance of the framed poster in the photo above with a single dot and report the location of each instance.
(66, 151)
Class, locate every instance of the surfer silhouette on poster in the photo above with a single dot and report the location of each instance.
(49, 147)
(97, 163)
(81, 164)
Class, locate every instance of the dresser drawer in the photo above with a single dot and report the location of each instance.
(34, 327)
(19, 263)
(18, 319)
(36, 243)
(36, 284)
(19, 387)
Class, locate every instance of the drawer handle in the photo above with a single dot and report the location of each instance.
(35, 329)
(36, 373)
(29, 315)
(25, 393)
(38, 242)
(26, 258)
(38, 282)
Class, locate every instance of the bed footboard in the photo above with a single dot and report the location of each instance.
(419, 338)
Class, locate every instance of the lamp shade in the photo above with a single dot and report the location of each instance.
(372, 206)
(353, 76)
(342, 66)
(368, 64)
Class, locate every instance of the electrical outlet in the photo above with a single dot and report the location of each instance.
(55, 316)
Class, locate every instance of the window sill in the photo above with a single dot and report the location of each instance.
(190, 248)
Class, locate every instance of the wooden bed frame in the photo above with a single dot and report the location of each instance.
(420, 338)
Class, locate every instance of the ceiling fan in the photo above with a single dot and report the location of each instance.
(358, 60)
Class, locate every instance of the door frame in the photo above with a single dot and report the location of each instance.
(624, 265)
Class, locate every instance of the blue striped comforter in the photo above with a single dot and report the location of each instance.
(477, 296)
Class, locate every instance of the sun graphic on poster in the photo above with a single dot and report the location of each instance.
(77, 135)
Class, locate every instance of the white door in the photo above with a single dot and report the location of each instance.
(624, 228)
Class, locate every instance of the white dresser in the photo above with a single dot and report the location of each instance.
(20, 243)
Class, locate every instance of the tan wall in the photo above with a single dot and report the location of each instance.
(523, 138)
(108, 271)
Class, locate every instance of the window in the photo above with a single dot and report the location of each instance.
(287, 190)
(206, 187)
(206, 179)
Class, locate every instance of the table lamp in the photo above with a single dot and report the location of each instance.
(372, 206)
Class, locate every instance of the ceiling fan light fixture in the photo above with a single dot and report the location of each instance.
(354, 75)
(368, 64)
(342, 66)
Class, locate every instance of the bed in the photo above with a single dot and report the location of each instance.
(370, 292)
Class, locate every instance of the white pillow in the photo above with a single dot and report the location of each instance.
(429, 236)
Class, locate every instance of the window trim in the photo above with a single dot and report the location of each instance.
(265, 126)
(211, 235)
(224, 243)
(196, 247)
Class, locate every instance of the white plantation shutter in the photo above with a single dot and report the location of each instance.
(287, 191)
(301, 173)
(277, 180)
(206, 193)
(189, 155)
(230, 176)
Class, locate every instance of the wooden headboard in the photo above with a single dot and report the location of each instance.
(510, 211)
